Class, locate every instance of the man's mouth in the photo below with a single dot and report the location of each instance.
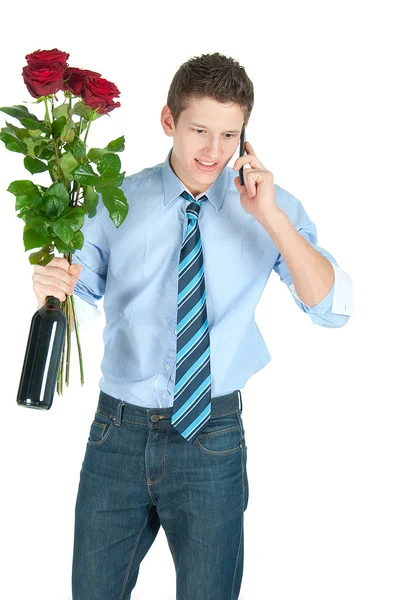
(206, 166)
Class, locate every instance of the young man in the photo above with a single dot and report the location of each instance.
(181, 278)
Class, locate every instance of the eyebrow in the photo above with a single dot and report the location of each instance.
(205, 127)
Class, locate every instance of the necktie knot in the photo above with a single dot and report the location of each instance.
(193, 208)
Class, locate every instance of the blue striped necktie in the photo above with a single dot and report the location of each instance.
(192, 390)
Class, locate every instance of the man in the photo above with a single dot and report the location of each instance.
(181, 278)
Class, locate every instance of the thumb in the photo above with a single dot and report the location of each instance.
(76, 269)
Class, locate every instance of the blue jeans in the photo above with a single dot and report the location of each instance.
(139, 473)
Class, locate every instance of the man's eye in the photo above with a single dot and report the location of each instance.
(230, 135)
(199, 130)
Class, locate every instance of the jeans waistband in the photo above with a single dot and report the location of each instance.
(118, 409)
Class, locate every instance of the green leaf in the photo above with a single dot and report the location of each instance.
(26, 192)
(27, 119)
(27, 213)
(57, 127)
(68, 163)
(20, 133)
(34, 165)
(22, 186)
(109, 166)
(119, 179)
(61, 111)
(44, 150)
(78, 148)
(36, 133)
(32, 144)
(78, 240)
(39, 222)
(85, 175)
(115, 201)
(56, 200)
(116, 145)
(71, 221)
(82, 110)
(62, 247)
(12, 143)
(94, 154)
(41, 257)
(90, 201)
(33, 239)
(68, 132)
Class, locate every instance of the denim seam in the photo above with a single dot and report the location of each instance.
(102, 425)
(243, 508)
(132, 558)
(163, 460)
(214, 452)
(243, 450)
(103, 438)
(220, 431)
(237, 556)
(173, 552)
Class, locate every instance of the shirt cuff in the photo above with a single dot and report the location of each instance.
(342, 291)
(84, 311)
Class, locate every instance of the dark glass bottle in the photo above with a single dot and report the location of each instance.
(42, 356)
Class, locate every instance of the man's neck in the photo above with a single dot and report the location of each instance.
(193, 191)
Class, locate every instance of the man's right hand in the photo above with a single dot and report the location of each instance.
(58, 278)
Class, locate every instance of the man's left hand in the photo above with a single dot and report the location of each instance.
(257, 196)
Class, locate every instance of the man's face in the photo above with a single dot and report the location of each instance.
(207, 131)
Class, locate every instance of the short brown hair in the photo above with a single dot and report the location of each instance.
(211, 75)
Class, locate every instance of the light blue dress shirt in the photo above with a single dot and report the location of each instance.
(135, 268)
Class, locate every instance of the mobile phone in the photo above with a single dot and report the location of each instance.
(241, 153)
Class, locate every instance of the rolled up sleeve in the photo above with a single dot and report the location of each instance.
(337, 306)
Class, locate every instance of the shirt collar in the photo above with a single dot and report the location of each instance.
(173, 186)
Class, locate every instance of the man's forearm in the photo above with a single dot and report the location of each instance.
(312, 273)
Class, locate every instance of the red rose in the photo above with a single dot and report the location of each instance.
(74, 78)
(43, 79)
(99, 93)
(40, 56)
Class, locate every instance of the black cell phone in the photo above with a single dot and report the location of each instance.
(241, 153)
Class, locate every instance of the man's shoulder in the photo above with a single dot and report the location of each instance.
(147, 173)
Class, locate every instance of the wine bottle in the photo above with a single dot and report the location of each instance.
(42, 356)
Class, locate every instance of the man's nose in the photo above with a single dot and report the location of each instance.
(213, 149)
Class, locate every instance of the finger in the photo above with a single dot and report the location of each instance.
(248, 159)
(250, 183)
(59, 261)
(244, 160)
(54, 282)
(47, 273)
(241, 188)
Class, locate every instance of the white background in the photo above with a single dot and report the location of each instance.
(321, 418)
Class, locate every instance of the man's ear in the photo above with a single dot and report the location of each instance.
(167, 121)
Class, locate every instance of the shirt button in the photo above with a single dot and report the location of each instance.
(176, 331)
(164, 396)
(167, 366)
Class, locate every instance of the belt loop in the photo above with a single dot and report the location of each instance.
(240, 400)
(117, 420)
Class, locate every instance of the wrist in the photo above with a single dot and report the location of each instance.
(273, 220)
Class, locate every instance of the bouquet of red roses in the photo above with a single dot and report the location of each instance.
(57, 143)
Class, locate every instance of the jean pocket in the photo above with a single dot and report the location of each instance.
(100, 429)
(222, 435)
